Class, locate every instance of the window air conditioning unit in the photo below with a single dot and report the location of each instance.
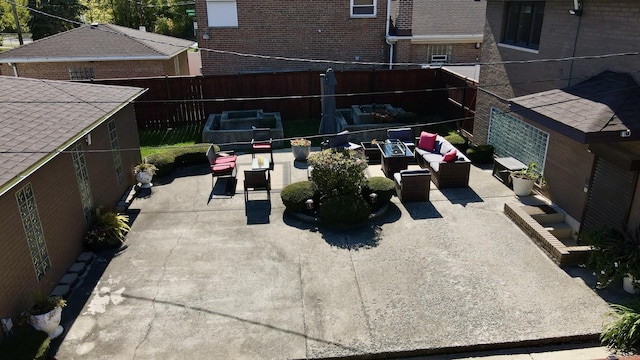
(439, 58)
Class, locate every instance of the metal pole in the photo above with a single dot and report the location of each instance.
(15, 17)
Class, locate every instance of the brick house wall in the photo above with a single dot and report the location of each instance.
(60, 210)
(101, 69)
(310, 29)
(419, 53)
(605, 27)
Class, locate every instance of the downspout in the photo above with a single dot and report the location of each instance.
(386, 35)
(15, 69)
(577, 6)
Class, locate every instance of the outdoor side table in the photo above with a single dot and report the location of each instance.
(395, 157)
(502, 168)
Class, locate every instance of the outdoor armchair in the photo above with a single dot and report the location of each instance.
(257, 180)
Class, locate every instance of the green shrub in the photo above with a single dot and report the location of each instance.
(338, 172)
(169, 158)
(344, 209)
(481, 154)
(294, 196)
(26, 343)
(385, 189)
(457, 140)
(108, 230)
(622, 334)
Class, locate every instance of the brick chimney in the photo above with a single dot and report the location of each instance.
(405, 17)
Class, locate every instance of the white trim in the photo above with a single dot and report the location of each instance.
(443, 39)
(374, 3)
(84, 58)
(519, 48)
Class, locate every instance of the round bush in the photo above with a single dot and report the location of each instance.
(385, 189)
(294, 196)
(481, 154)
(164, 161)
(344, 209)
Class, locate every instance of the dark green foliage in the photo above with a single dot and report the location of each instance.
(168, 159)
(614, 253)
(481, 154)
(42, 26)
(344, 209)
(294, 196)
(623, 334)
(385, 189)
(457, 140)
(26, 343)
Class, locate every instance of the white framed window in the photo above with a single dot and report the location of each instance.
(222, 13)
(363, 8)
(512, 137)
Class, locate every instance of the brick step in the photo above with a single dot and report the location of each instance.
(544, 214)
(559, 230)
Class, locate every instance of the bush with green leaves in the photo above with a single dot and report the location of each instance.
(294, 196)
(344, 209)
(384, 187)
(481, 154)
(338, 172)
(108, 230)
(623, 333)
(168, 159)
(614, 253)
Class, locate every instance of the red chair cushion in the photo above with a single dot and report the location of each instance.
(427, 141)
(262, 146)
(223, 168)
(450, 156)
(225, 159)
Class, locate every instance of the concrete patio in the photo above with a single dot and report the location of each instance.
(210, 277)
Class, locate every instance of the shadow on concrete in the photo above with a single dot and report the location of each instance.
(613, 293)
(257, 211)
(461, 196)
(422, 210)
(243, 320)
(223, 187)
(300, 164)
(182, 171)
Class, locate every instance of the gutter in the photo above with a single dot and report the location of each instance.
(388, 38)
(6, 187)
(441, 39)
(85, 58)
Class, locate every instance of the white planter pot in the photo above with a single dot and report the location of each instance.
(301, 153)
(522, 186)
(629, 284)
(144, 178)
(49, 322)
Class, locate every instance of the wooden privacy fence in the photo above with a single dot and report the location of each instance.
(179, 101)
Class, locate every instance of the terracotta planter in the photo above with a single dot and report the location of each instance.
(49, 322)
(144, 178)
(301, 153)
(522, 186)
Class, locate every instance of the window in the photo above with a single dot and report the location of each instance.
(439, 53)
(363, 8)
(81, 73)
(222, 13)
(512, 137)
(523, 24)
(82, 176)
(33, 231)
(115, 146)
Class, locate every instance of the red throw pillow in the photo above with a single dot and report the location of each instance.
(450, 156)
(427, 141)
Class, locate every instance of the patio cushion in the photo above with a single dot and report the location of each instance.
(225, 159)
(217, 168)
(427, 141)
(431, 157)
(262, 146)
(450, 156)
(446, 147)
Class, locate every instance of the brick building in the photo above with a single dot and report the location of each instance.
(60, 159)
(577, 117)
(100, 51)
(435, 32)
(346, 31)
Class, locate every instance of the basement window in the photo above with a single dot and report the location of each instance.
(81, 73)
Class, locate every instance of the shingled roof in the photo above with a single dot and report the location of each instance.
(596, 110)
(39, 118)
(103, 42)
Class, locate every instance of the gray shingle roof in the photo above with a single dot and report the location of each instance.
(98, 41)
(448, 17)
(37, 117)
(604, 104)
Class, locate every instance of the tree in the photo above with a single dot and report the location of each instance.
(67, 16)
(7, 21)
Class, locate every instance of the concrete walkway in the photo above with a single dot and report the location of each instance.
(215, 278)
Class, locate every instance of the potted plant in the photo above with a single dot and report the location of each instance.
(300, 148)
(108, 230)
(615, 254)
(523, 180)
(45, 315)
(144, 173)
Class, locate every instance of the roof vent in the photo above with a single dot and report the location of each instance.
(94, 25)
